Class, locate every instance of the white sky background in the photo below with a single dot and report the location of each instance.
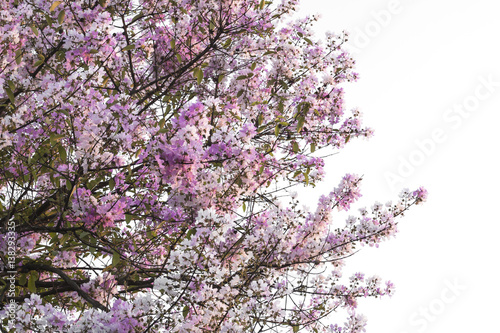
(418, 66)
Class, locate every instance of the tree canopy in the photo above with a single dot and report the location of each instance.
(149, 154)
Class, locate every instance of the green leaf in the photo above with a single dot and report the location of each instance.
(93, 51)
(185, 311)
(298, 172)
(10, 94)
(116, 258)
(55, 138)
(295, 328)
(262, 3)
(111, 184)
(221, 77)
(241, 77)
(62, 153)
(82, 234)
(260, 119)
(22, 279)
(49, 19)
(300, 123)
(240, 93)
(60, 17)
(295, 147)
(11, 84)
(308, 41)
(347, 138)
(179, 58)
(129, 47)
(19, 56)
(253, 66)
(281, 107)
(151, 234)
(199, 75)
(277, 130)
(244, 207)
(306, 108)
(239, 241)
(34, 29)
(313, 147)
(38, 63)
(190, 233)
(61, 56)
(172, 43)
(128, 218)
(31, 282)
(138, 16)
(64, 239)
(54, 5)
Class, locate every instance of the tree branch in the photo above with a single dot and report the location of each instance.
(68, 280)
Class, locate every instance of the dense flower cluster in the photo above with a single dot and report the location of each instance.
(146, 147)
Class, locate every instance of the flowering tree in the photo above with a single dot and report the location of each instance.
(145, 146)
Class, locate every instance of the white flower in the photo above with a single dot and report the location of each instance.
(235, 280)
(160, 284)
